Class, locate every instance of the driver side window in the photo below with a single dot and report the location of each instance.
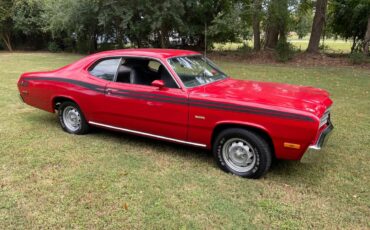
(142, 71)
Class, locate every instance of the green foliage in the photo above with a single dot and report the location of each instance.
(323, 47)
(302, 24)
(245, 48)
(27, 16)
(284, 51)
(357, 58)
(53, 47)
(348, 19)
(6, 23)
(228, 26)
(86, 26)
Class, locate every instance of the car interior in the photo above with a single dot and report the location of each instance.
(143, 72)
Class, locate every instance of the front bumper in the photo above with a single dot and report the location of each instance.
(322, 138)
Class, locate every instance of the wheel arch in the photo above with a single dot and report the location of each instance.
(56, 100)
(260, 130)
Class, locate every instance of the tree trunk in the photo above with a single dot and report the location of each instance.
(367, 38)
(353, 44)
(276, 22)
(6, 39)
(272, 36)
(317, 26)
(257, 7)
(162, 39)
(138, 42)
(120, 38)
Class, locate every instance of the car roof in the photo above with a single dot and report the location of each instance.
(147, 52)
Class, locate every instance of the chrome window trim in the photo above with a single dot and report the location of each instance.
(135, 56)
(147, 134)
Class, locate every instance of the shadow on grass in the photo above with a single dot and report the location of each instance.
(297, 172)
(307, 172)
(152, 143)
(51, 120)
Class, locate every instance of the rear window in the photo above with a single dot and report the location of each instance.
(105, 69)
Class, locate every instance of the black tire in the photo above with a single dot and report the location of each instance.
(246, 141)
(83, 126)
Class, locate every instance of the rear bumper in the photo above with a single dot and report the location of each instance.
(322, 138)
(21, 98)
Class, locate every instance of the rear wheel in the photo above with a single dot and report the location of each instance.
(242, 152)
(72, 119)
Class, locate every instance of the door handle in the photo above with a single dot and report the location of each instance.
(109, 91)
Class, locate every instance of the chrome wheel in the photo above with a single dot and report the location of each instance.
(239, 155)
(72, 118)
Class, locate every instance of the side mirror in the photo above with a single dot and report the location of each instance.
(158, 83)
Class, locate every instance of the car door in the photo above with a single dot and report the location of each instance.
(95, 80)
(148, 109)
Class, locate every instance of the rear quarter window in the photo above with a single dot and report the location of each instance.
(105, 69)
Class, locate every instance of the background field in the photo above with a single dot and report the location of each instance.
(337, 46)
(49, 179)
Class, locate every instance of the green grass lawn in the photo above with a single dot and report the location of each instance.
(50, 179)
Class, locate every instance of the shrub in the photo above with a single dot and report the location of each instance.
(324, 47)
(284, 51)
(357, 58)
(106, 46)
(53, 47)
(245, 48)
(69, 44)
(83, 46)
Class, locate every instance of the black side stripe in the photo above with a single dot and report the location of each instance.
(153, 98)
(74, 82)
(247, 109)
(177, 100)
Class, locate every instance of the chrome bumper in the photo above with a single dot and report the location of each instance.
(21, 98)
(322, 138)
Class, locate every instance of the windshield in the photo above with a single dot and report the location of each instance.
(195, 70)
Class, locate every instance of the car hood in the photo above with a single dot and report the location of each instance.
(266, 94)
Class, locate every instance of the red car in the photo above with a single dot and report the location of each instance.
(180, 96)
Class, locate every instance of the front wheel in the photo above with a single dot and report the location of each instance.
(72, 119)
(242, 152)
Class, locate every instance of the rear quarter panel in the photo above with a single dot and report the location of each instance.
(43, 88)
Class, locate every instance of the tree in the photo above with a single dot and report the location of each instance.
(6, 23)
(302, 19)
(317, 26)
(349, 19)
(277, 21)
(257, 8)
(165, 16)
(367, 37)
(197, 15)
(76, 19)
(303, 25)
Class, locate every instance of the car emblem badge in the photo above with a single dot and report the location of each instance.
(200, 117)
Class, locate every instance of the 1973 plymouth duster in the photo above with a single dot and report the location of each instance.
(180, 96)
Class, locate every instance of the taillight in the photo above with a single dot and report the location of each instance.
(23, 83)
